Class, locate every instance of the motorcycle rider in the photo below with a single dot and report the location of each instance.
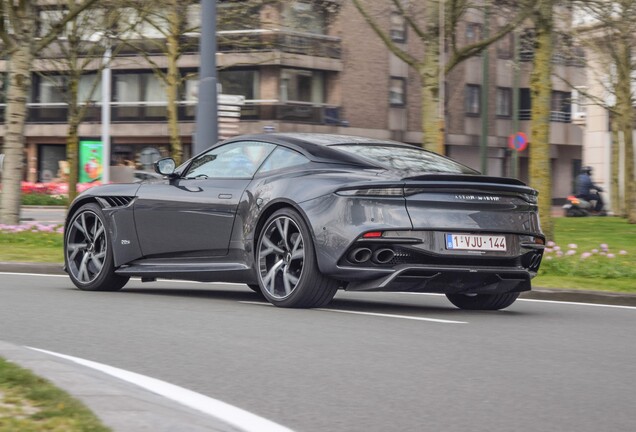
(588, 190)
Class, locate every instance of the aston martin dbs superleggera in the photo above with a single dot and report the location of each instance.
(298, 216)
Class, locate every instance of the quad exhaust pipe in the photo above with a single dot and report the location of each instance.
(363, 254)
(383, 256)
(360, 255)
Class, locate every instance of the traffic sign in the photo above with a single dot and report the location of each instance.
(518, 141)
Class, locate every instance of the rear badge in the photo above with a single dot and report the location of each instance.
(477, 198)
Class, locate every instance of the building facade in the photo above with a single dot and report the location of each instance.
(306, 68)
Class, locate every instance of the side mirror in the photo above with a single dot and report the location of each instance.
(165, 166)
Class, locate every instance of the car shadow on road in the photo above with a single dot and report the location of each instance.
(429, 305)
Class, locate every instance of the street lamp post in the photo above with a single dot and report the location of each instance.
(206, 119)
(106, 76)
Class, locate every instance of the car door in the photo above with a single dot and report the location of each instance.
(193, 215)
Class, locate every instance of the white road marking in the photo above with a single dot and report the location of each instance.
(33, 274)
(406, 293)
(230, 414)
(578, 304)
(543, 301)
(406, 317)
(134, 279)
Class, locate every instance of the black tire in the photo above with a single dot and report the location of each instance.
(482, 301)
(287, 270)
(88, 252)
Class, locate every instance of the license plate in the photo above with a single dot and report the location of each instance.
(475, 242)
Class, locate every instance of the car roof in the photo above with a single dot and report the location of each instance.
(318, 147)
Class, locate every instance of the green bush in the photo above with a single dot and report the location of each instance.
(44, 200)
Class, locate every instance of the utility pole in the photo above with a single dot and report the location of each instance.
(106, 83)
(207, 128)
(485, 81)
(516, 73)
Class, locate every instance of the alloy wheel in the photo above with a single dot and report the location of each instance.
(281, 257)
(86, 247)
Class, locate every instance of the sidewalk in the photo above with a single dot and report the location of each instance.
(121, 406)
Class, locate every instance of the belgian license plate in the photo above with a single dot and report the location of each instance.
(476, 242)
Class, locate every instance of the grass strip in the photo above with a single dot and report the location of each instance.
(29, 403)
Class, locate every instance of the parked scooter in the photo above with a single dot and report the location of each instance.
(577, 207)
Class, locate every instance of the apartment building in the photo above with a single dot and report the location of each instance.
(307, 69)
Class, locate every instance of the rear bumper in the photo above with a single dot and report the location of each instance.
(448, 280)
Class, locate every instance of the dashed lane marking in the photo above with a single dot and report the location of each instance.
(381, 315)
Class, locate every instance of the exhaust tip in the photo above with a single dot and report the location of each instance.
(383, 256)
(360, 255)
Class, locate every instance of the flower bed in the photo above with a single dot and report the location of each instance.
(599, 262)
(49, 193)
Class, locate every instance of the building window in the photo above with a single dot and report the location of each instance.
(473, 33)
(561, 106)
(398, 27)
(89, 88)
(305, 17)
(504, 102)
(301, 85)
(51, 90)
(504, 46)
(47, 19)
(240, 82)
(472, 100)
(397, 92)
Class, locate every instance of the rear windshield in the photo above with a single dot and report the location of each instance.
(411, 160)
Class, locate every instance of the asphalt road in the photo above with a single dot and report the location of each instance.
(415, 364)
(42, 214)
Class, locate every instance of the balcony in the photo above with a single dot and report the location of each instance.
(555, 116)
(155, 112)
(264, 40)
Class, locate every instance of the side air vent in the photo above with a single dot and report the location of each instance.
(115, 201)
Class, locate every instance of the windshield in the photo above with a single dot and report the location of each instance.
(412, 160)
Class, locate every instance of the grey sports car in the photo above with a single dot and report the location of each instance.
(298, 216)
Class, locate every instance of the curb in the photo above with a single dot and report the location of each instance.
(538, 293)
(122, 406)
(38, 268)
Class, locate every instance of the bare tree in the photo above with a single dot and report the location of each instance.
(541, 92)
(73, 64)
(17, 33)
(428, 23)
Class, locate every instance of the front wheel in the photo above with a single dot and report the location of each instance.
(482, 301)
(88, 252)
(287, 269)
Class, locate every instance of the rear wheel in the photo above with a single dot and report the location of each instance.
(88, 252)
(482, 301)
(287, 270)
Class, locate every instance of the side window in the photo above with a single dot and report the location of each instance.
(282, 158)
(234, 160)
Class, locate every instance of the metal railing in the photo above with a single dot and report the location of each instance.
(155, 112)
(555, 116)
(279, 40)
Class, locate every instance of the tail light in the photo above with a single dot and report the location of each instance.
(373, 192)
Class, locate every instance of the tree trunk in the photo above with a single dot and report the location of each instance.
(173, 80)
(72, 139)
(541, 85)
(617, 202)
(19, 65)
(432, 124)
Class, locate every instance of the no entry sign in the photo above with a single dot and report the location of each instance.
(518, 141)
